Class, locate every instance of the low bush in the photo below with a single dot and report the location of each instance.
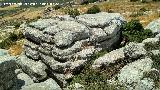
(72, 12)
(133, 0)
(56, 7)
(10, 40)
(155, 0)
(143, 9)
(88, 1)
(133, 31)
(94, 9)
(150, 46)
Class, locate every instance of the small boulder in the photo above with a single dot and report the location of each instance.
(154, 26)
(107, 59)
(134, 50)
(131, 74)
(49, 84)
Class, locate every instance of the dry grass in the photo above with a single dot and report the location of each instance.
(16, 49)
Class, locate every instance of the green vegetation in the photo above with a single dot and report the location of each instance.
(72, 12)
(156, 58)
(95, 79)
(56, 7)
(94, 9)
(156, 63)
(88, 1)
(133, 31)
(10, 12)
(11, 39)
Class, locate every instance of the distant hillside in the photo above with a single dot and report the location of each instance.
(39, 1)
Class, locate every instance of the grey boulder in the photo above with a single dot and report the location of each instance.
(154, 26)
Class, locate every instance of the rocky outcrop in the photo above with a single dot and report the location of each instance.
(7, 67)
(130, 51)
(59, 47)
(154, 26)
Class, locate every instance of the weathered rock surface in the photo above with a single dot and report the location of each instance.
(134, 50)
(7, 67)
(49, 84)
(35, 69)
(154, 26)
(130, 51)
(61, 46)
(132, 74)
(150, 40)
(101, 20)
(109, 58)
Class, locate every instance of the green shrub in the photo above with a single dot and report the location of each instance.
(56, 7)
(17, 25)
(72, 12)
(133, 0)
(155, 0)
(94, 9)
(133, 31)
(143, 9)
(88, 1)
(10, 40)
(150, 46)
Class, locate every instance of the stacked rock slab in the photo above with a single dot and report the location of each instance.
(59, 47)
(7, 74)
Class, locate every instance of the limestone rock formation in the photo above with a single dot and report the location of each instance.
(59, 47)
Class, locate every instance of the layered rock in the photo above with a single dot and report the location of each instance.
(59, 47)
